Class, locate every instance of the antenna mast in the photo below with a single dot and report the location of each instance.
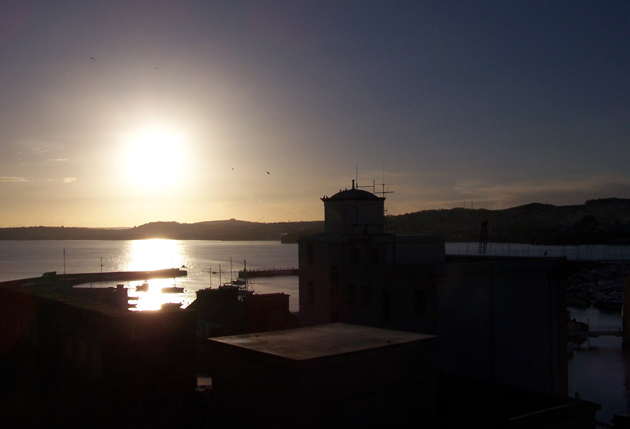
(374, 185)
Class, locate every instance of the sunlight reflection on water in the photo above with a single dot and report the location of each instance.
(154, 254)
(198, 258)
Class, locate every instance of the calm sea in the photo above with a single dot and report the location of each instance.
(600, 369)
(600, 373)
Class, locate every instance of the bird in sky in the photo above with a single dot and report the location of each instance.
(93, 58)
(267, 172)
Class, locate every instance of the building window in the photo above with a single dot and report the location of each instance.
(350, 295)
(310, 293)
(364, 296)
(309, 254)
(386, 306)
(374, 259)
(420, 300)
(334, 279)
(355, 257)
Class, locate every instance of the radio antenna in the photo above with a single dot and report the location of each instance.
(374, 185)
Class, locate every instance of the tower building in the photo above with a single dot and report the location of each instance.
(498, 319)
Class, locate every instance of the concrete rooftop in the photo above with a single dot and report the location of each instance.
(320, 341)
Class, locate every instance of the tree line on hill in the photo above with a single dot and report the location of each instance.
(603, 221)
(226, 230)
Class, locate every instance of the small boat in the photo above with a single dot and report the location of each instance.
(171, 306)
(242, 290)
(143, 287)
(242, 284)
(172, 289)
(578, 332)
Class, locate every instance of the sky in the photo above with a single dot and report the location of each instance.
(119, 113)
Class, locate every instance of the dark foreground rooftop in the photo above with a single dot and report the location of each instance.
(67, 362)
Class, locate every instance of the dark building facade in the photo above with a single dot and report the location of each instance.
(70, 361)
(499, 320)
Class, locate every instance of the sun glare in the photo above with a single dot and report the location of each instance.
(155, 254)
(154, 157)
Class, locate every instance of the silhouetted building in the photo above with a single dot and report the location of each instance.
(340, 375)
(71, 360)
(222, 311)
(332, 375)
(499, 320)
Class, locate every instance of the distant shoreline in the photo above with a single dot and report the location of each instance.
(603, 221)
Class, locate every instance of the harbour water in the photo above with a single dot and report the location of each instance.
(599, 373)
(208, 264)
(599, 370)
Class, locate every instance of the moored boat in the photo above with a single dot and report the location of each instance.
(143, 287)
(243, 289)
(578, 332)
(171, 306)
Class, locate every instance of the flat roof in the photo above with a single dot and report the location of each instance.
(320, 341)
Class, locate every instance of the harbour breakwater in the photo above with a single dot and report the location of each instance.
(83, 278)
(270, 272)
(581, 252)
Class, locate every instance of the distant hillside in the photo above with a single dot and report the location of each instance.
(596, 221)
(229, 230)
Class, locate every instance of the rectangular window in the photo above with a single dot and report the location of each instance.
(334, 279)
(355, 257)
(365, 296)
(420, 298)
(386, 306)
(350, 295)
(374, 259)
(310, 293)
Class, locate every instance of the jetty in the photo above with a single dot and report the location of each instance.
(270, 272)
(81, 278)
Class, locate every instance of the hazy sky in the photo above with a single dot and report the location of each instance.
(119, 113)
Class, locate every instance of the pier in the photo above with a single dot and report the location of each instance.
(584, 336)
(244, 274)
(81, 278)
(598, 331)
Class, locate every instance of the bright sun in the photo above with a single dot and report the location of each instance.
(154, 157)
